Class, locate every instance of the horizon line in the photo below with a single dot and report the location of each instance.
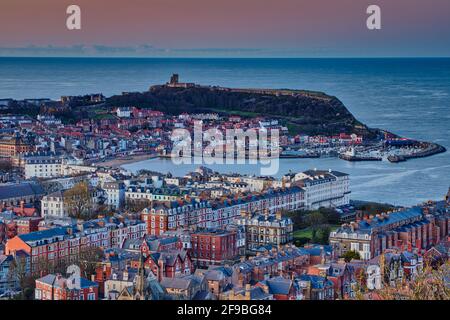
(225, 57)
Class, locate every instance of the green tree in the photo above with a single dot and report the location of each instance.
(321, 235)
(350, 255)
(315, 219)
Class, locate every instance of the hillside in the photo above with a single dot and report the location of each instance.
(302, 111)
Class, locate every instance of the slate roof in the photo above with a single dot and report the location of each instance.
(155, 243)
(52, 279)
(19, 190)
(443, 248)
(182, 283)
(317, 282)
(63, 231)
(176, 283)
(316, 250)
(278, 285)
(202, 295)
(132, 273)
(337, 269)
(365, 227)
(44, 234)
(256, 293)
(227, 271)
(394, 217)
(5, 258)
(215, 275)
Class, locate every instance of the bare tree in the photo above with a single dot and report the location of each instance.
(78, 201)
(88, 260)
(19, 273)
(428, 284)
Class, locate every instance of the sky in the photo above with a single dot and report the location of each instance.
(225, 28)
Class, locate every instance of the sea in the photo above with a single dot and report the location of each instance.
(410, 97)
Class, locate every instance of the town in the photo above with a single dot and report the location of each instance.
(67, 201)
(85, 129)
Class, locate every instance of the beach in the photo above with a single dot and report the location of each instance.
(118, 162)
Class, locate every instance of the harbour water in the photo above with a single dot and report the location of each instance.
(410, 97)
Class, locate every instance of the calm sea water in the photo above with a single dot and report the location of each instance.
(410, 97)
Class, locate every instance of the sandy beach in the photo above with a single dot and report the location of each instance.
(115, 163)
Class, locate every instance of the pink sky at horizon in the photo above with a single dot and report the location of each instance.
(339, 26)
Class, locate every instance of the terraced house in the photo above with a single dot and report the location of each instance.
(405, 229)
(66, 243)
(217, 214)
(150, 194)
(323, 188)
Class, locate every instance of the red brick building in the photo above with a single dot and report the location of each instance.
(159, 244)
(102, 273)
(168, 264)
(28, 224)
(64, 244)
(13, 146)
(163, 255)
(165, 216)
(213, 247)
(54, 287)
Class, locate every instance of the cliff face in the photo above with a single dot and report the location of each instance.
(302, 111)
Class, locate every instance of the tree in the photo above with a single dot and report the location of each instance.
(315, 218)
(350, 255)
(5, 166)
(373, 208)
(331, 215)
(79, 201)
(18, 271)
(301, 241)
(88, 260)
(137, 205)
(321, 235)
(428, 284)
(104, 210)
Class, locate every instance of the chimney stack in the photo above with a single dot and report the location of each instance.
(278, 215)
(247, 291)
(266, 214)
(80, 225)
(22, 207)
